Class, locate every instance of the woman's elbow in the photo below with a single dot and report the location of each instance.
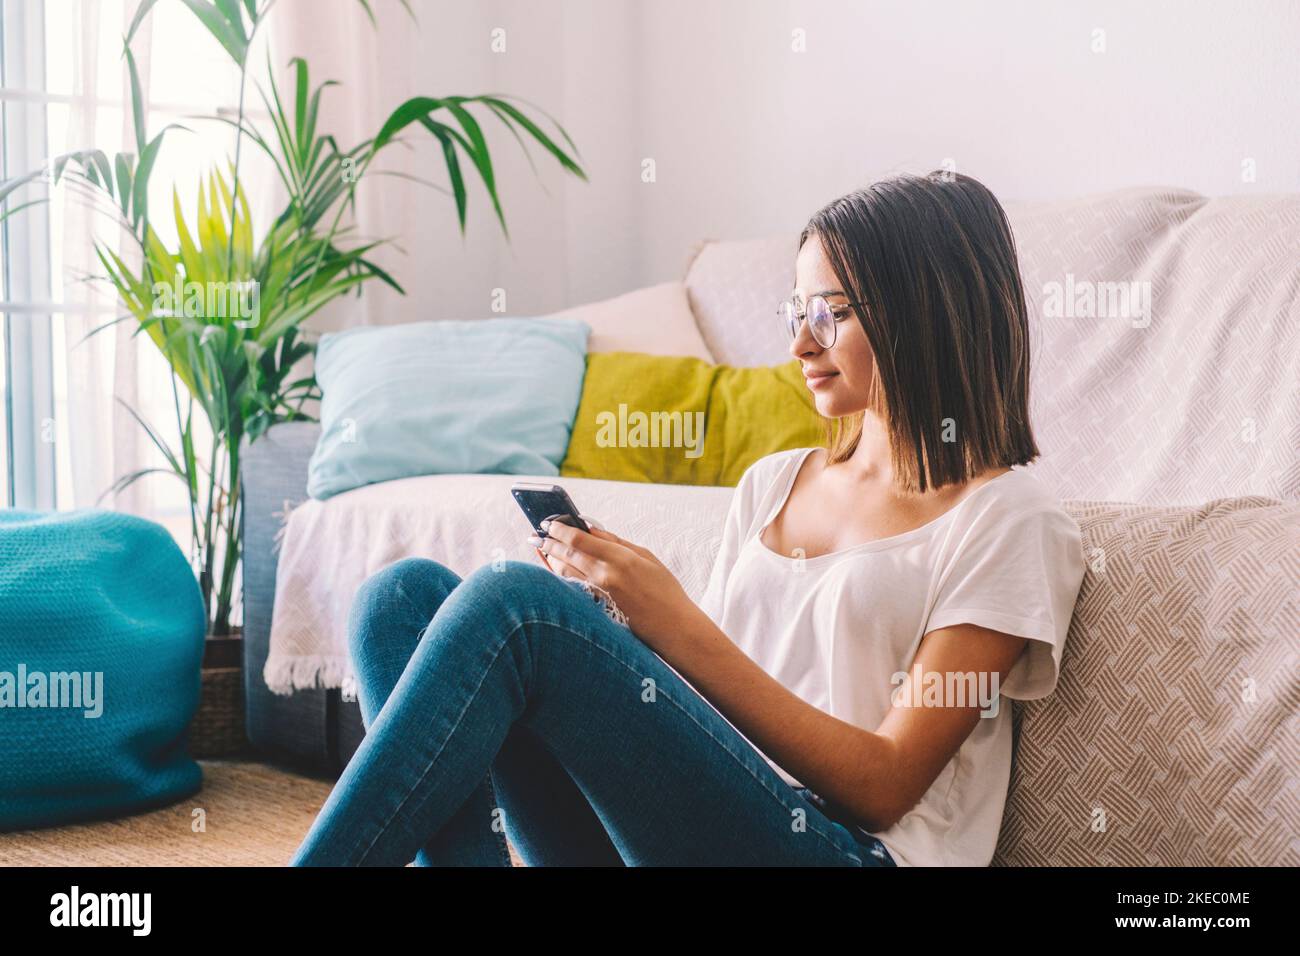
(892, 783)
(885, 799)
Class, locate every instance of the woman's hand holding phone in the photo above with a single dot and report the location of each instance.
(657, 607)
(536, 542)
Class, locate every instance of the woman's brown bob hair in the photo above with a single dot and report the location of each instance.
(933, 262)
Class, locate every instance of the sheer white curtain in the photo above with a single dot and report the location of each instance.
(101, 370)
(99, 375)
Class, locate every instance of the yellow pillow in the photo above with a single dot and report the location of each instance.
(683, 421)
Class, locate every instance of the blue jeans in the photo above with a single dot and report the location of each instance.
(510, 704)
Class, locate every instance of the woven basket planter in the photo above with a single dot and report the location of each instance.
(218, 727)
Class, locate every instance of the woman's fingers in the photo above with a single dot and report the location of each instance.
(611, 536)
(561, 553)
(604, 545)
(580, 548)
(558, 566)
(574, 560)
(565, 568)
(584, 550)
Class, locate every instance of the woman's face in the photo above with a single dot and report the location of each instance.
(840, 378)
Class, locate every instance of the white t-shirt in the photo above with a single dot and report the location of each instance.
(836, 628)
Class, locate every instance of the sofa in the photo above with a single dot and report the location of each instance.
(1166, 401)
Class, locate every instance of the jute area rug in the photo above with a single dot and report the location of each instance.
(247, 814)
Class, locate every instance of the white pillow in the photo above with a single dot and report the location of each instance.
(656, 320)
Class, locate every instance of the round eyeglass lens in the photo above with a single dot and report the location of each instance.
(821, 321)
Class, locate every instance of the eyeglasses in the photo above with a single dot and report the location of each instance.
(823, 318)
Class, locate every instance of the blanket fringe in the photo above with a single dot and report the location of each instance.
(604, 599)
(283, 515)
(284, 675)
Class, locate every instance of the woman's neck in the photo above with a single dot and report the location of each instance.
(871, 462)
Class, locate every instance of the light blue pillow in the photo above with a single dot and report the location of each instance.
(486, 395)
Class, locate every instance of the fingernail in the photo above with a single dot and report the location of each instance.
(535, 541)
(545, 525)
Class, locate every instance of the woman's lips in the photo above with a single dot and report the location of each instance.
(818, 379)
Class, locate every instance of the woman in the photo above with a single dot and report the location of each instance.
(834, 698)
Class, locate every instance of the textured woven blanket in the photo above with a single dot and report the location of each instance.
(1166, 338)
(463, 521)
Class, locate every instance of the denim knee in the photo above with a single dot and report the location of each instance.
(513, 591)
(514, 581)
(410, 589)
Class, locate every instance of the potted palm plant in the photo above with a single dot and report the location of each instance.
(225, 307)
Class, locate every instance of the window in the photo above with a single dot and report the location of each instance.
(65, 88)
(26, 368)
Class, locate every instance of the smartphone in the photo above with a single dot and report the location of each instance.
(540, 501)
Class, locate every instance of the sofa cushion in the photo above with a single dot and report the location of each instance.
(734, 289)
(487, 395)
(1171, 739)
(681, 421)
(656, 320)
(1165, 330)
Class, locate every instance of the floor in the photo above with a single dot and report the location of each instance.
(253, 814)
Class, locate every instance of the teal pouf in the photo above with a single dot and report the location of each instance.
(101, 645)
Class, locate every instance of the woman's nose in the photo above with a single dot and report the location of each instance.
(803, 343)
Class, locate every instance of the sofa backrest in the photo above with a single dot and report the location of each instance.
(1166, 338)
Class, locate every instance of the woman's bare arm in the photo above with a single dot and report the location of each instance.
(878, 776)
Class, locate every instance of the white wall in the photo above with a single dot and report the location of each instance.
(749, 137)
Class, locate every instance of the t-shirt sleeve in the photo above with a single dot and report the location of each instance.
(1019, 575)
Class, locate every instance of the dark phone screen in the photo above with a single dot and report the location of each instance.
(540, 505)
